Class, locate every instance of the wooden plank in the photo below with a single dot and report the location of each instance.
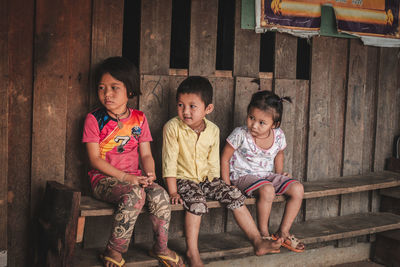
(354, 128)
(78, 96)
(155, 37)
(294, 124)
(107, 27)
(285, 58)
(154, 103)
(315, 189)
(246, 54)
(387, 124)
(4, 80)
(20, 52)
(212, 246)
(244, 88)
(223, 106)
(203, 37)
(50, 96)
(370, 102)
(326, 118)
(58, 220)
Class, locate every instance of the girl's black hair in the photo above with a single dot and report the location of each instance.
(267, 101)
(121, 69)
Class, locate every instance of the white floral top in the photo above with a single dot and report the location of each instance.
(249, 158)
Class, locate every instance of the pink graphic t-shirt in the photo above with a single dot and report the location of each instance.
(119, 147)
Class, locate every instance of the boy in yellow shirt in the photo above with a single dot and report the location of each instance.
(191, 168)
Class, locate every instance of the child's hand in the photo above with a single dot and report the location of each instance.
(175, 198)
(150, 178)
(136, 180)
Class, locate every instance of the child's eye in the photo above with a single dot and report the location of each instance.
(262, 123)
(251, 117)
(180, 105)
(101, 87)
(115, 87)
(192, 106)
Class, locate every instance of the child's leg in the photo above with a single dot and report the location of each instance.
(192, 228)
(226, 194)
(160, 215)
(194, 202)
(130, 200)
(265, 196)
(293, 204)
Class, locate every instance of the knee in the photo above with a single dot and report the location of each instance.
(134, 198)
(267, 192)
(297, 191)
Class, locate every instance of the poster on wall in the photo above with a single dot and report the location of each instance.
(376, 22)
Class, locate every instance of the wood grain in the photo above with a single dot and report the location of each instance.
(285, 58)
(203, 37)
(246, 54)
(155, 37)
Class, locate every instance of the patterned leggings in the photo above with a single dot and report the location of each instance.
(130, 200)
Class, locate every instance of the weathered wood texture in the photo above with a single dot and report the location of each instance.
(203, 37)
(20, 52)
(4, 68)
(294, 124)
(246, 54)
(155, 37)
(388, 96)
(58, 219)
(107, 27)
(78, 95)
(326, 118)
(213, 246)
(50, 95)
(285, 58)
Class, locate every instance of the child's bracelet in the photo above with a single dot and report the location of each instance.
(123, 177)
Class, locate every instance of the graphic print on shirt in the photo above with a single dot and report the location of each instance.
(124, 139)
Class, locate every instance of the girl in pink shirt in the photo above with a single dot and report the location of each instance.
(114, 134)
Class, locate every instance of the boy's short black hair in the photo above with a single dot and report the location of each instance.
(121, 69)
(196, 85)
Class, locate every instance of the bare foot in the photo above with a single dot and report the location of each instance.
(115, 255)
(194, 259)
(267, 246)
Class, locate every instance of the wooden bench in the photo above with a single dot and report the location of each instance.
(311, 231)
(336, 186)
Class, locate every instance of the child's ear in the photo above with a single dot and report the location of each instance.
(209, 108)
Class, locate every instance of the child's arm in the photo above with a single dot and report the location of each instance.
(100, 164)
(173, 191)
(147, 160)
(225, 158)
(278, 162)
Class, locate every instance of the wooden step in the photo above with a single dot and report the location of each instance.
(214, 246)
(334, 186)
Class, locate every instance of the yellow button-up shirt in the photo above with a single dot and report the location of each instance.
(185, 155)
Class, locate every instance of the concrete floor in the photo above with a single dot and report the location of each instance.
(360, 264)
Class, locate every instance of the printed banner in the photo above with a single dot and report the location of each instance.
(370, 18)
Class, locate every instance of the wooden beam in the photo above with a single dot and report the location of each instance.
(388, 95)
(246, 55)
(78, 95)
(4, 81)
(20, 34)
(285, 57)
(50, 95)
(203, 37)
(155, 37)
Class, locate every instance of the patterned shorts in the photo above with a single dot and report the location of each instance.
(248, 184)
(194, 195)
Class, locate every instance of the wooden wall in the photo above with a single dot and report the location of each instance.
(342, 120)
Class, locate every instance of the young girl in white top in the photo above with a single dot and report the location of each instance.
(252, 160)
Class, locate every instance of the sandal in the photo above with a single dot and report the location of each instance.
(109, 259)
(167, 261)
(291, 243)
